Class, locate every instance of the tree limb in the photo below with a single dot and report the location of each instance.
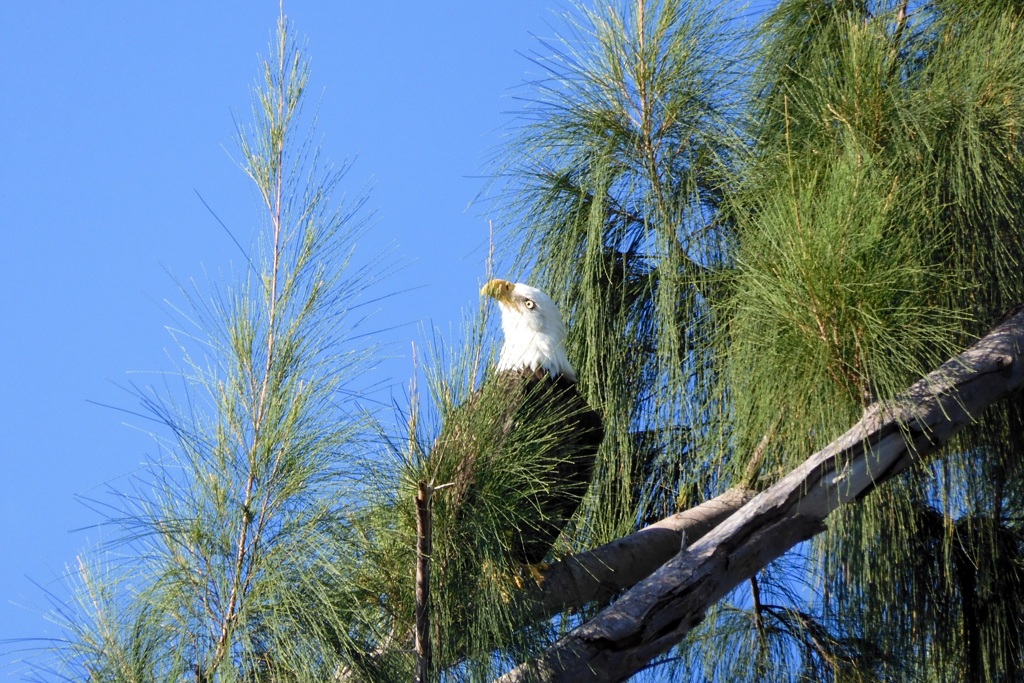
(659, 611)
(601, 573)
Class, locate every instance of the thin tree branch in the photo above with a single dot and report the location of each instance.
(658, 612)
(755, 595)
(424, 549)
(241, 578)
(897, 37)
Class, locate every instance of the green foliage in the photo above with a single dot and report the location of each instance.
(833, 290)
(842, 226)
(619, 166)
(485, 445)
(495, 453)
(234, 534)
(928, 102)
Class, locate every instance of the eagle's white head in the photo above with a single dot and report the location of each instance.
(534, 331)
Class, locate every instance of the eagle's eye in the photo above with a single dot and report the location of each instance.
(529, 304)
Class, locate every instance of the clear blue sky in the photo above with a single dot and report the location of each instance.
(115, 114)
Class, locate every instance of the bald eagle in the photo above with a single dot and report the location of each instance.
(530, 405)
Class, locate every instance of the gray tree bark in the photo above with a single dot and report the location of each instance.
(659, 611)
(603, 572)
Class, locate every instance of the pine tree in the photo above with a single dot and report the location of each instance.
(228, 545)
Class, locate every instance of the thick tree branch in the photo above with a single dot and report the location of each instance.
(658, 612)
(603, 572)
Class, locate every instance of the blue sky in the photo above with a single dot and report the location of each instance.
(115, 115)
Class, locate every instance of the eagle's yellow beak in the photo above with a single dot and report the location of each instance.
(500, 290)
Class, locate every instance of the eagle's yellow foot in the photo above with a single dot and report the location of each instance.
(535, 572)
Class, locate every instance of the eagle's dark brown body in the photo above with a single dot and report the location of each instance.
(572, 456)
(545, 423)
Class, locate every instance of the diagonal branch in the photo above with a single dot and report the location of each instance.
(601, 573)
(658, 612)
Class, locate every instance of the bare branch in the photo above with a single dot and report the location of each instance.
(424, 543)
(601, 573)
